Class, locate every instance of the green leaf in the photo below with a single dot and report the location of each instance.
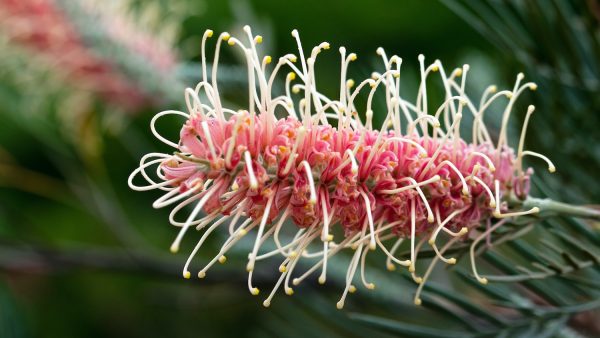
(407, 329)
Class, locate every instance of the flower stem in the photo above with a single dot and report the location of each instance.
(548, 206)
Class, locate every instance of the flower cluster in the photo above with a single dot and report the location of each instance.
(314, 162)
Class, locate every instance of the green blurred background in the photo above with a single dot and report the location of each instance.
(81, 255)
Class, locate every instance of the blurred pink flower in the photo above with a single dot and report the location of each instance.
(44, 27)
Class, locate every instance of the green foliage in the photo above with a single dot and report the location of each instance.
(557, 44)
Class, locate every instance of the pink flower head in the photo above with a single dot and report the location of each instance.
(338, 181)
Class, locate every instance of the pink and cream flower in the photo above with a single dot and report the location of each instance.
(307, 161)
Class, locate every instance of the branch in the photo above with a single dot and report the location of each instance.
(548, 206)
(31, 259)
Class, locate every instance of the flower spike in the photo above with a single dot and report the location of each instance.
(320, 170)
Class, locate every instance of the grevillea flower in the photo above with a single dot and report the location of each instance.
(46, 28)
(339, 182)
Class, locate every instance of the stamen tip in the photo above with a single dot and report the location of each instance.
(289, 291)
(339, 305)
(282, 268)
(266, 303)
(452, 261)
(258, 39)
(551, 169)
(352, 289)
(222, 259)
(322, 280)
(418, 301)
(201, 274)
(174, 248)
(186, 274)
(209, 33)
(391, 267)
(255, 291)
(296, 281)
(483, 281)
(371, 286)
